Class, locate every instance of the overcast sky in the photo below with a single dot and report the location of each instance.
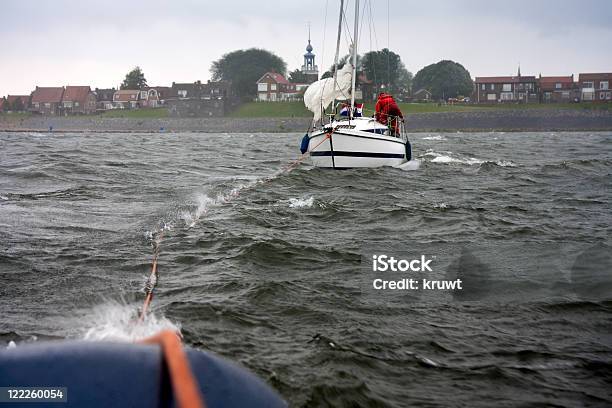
(79, 42)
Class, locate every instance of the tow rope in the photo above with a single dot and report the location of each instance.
(151, 282)
(153, 278)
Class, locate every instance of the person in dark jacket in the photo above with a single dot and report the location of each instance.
(388, 113)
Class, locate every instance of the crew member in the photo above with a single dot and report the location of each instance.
(388, 113)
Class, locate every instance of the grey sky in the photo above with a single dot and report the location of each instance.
(77, 42)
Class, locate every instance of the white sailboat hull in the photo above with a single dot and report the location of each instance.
(355, 148)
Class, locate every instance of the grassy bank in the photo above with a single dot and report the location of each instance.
(15, 115)
(297, 109)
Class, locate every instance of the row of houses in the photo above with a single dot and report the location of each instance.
(182, 99)
(273, 87)
(590, 87)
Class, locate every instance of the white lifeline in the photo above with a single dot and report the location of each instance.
(358, 142)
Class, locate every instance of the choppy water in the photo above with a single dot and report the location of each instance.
(253, 270)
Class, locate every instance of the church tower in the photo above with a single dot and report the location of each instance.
(310, 69)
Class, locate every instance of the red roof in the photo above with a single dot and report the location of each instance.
(76, 93)
(550, 83)
(363, 78)
(503, 79)
(24, 99)
(47, 94)
(498, 79)
(126, 95)
(595, 77)
(278, 78)
(555, 79)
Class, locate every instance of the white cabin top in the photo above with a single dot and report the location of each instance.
(363, 124)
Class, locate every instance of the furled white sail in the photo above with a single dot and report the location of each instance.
(320, 94)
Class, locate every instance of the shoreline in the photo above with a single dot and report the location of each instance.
(499, 120)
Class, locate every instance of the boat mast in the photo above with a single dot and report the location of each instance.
(338, 47)
(355, 36)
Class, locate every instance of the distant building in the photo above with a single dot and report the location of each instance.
(309, 68)
(46, 100)
(186, 90)
(557, 89)
(500, 89)
(366, 89)
(422, 95)
(148, 98)
(18, 103)
(595, 87)
(155, 96)
(126, 98)
(197, 99)
(78, 100)
(104, 98)
(273, 87)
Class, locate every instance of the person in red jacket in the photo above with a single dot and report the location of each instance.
(388, 113)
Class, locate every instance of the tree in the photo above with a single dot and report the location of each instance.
(386, 69)
(297, 77)
(6, 106)
(244, 67)
(17, 105)
(134, 79)
(445, 79)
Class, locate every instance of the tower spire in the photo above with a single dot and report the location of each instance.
(519, 69)
(309, 68)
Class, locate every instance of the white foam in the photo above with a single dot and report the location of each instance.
(4, 198)
(441, 206)
(203, 204)
(437, 137)
(449, 157)
(505, 163)
(301, 202)
(411, 165)
(119, 322)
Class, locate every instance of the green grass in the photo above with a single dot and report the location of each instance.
(136, 113)
(532, 106)
(15, 115)
(271, 110)
(297, 108)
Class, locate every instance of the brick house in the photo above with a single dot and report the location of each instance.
(500, 89)
(126, 98)
(273, 87)
(18, 103)
(104, 98)
(186, 90)
(78, 100)
(155, 96)
(595, 87)
(197, 99)
(557, 89)
(46, 100)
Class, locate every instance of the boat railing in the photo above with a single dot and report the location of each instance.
(402, 131)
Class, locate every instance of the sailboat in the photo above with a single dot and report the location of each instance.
(354, 140)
